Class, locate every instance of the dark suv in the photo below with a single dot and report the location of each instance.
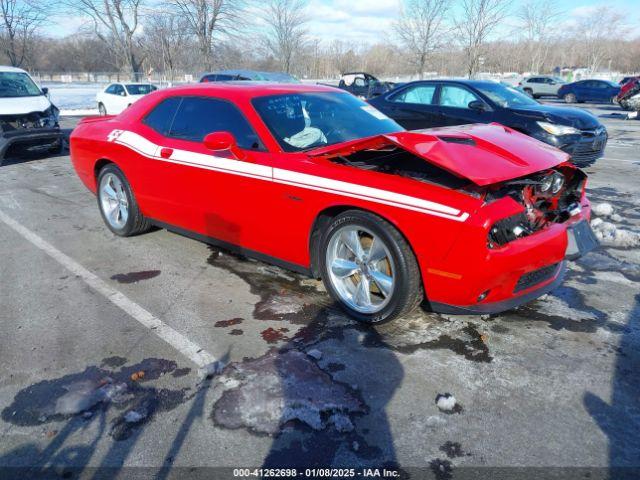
(437, 103)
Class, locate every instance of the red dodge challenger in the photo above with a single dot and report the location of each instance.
(473, 219)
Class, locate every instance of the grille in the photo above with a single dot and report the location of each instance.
(537, 276)
(585, 152)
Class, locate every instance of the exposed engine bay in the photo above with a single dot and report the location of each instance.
(552, 196)
(397, 161)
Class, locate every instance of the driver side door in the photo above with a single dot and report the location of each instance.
(212, 193)
(454, 106)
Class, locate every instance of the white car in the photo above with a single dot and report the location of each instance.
(28, 119)
(541, 85)
(118, 96)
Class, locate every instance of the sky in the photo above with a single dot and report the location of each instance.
(369, 21)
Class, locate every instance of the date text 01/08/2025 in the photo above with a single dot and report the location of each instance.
(315, 473)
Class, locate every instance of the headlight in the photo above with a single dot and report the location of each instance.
(558, 182)
(554, 129)
(545, 184)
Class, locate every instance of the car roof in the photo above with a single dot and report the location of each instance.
(6, 68)
(247, 89)
(463, 81)
(253, 74)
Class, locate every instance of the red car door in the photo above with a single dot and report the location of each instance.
(210, 193)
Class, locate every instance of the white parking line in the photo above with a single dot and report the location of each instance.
(174, 338)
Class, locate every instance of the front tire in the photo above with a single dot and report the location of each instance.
(569, 98)
(368, 267)
(102, 110)
(118, 205)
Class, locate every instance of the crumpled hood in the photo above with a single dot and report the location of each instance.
(573, 117)
(483, 154)
(23, 105)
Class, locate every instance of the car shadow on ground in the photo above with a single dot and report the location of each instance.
(619, 419)
(363, 372)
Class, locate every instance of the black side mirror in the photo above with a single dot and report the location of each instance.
(477, 105)
(45, 91)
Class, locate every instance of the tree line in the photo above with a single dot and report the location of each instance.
(447, 37)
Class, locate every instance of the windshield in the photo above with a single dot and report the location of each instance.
(17, 84)
(506, 97)
(302, 121)
(140, 89)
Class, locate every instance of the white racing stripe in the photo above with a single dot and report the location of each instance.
(156, 326)
(287, 177)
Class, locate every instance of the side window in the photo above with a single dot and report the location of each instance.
(359, 82)
(421, 94)
(119, 89)
(197, 116)
(161, 116)
(111, 89)
(534, 80)
(454, 96)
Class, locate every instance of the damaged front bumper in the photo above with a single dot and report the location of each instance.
(33, 132)
(30, 140)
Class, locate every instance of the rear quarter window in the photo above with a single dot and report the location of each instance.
(161, 117)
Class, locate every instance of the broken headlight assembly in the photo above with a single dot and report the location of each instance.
(548, 197)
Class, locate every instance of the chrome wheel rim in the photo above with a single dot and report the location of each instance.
(113, 200)
(360, 269)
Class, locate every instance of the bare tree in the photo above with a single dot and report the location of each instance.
(284, 32)
(538, 24)
(207, 19)
(595, 31)
(19, 21)
(478, 20)
(115, 22)
(166, 39)
(421, 29)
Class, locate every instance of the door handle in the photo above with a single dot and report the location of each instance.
(166, 152)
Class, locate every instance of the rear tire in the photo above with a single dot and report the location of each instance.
(569, 98)
(390, 272)
(118, 205)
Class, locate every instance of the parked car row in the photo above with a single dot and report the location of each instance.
(473, 219)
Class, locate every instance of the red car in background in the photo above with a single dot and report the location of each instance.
(628, 89)
(475, 219)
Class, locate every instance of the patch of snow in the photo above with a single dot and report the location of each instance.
(279, 387)
(616, 218)
(78, 112)
(557, 307)
(596, 222)
(446, 402)
(315, 353)
(84, 395)
(133, 417)
(610, 235)
(211, 369)
(342, 422)
(285, 304)
(603, 209)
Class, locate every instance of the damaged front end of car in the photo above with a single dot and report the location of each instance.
(552, 196)
(33, 132)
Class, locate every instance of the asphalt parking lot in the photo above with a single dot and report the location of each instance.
(111, 347)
